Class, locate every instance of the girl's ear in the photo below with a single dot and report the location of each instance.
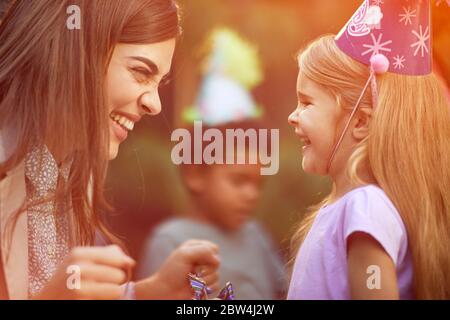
(362, 122)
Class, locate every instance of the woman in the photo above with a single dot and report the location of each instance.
(68, 98)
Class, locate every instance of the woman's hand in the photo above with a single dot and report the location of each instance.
(171, 281)
(99, 271)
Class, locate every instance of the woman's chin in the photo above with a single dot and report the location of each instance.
(113, 150)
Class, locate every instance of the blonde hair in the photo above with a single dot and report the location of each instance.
(407, 152)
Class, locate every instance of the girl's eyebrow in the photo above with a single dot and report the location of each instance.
(303, 96)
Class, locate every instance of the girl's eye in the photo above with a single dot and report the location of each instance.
(305, 105)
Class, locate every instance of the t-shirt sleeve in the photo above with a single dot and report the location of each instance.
(156, 250)
(370, 211)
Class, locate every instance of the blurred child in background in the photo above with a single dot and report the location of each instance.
(222, 197)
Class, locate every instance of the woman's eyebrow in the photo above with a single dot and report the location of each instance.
(153, 67)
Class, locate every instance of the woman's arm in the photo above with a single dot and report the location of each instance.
(368, 262)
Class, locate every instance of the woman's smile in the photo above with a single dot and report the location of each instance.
(122, 123)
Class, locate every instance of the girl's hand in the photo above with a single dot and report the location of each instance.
(171, 281)
(102, 271)
(369, 266)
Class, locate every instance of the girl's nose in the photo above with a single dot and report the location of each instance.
(293, 118)
(150, 103)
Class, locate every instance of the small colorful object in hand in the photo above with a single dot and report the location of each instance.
(199, 287)
(227, 292)
(201, 290)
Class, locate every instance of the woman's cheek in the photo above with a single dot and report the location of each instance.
(121, 88)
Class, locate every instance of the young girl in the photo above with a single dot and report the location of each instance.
(75, 76)
(384, 231)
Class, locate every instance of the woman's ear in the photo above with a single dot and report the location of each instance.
(362, 123)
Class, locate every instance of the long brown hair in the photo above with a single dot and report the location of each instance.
(52, 86)
(407, 152)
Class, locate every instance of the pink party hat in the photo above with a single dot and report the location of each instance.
(398, 29)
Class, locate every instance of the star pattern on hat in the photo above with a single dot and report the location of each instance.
(402, 34)
(398, 62)
(377, 46)
(407, 15)
(422, 37)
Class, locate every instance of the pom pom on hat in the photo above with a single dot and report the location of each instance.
(379, 63)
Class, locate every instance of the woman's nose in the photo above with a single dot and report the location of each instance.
(150, 103)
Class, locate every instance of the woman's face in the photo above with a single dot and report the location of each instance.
(134, 76)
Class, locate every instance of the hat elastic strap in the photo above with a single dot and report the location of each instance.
(355, 108)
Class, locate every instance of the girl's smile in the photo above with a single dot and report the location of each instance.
(304, 139)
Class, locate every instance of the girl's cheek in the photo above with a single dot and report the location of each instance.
(310, 125)
(304, 120)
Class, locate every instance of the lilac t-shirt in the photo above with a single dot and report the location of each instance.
(321, 271)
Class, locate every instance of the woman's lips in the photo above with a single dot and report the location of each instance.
(122, 123)
(120, 133)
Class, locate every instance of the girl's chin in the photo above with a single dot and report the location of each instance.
(307, 165)
(313, 166)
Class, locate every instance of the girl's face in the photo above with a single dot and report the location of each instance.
(134, 76)
(315, 123)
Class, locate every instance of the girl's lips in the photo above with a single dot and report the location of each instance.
(120, 133)
(306, 142)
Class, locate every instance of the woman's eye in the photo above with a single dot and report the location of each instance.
(142, 75)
